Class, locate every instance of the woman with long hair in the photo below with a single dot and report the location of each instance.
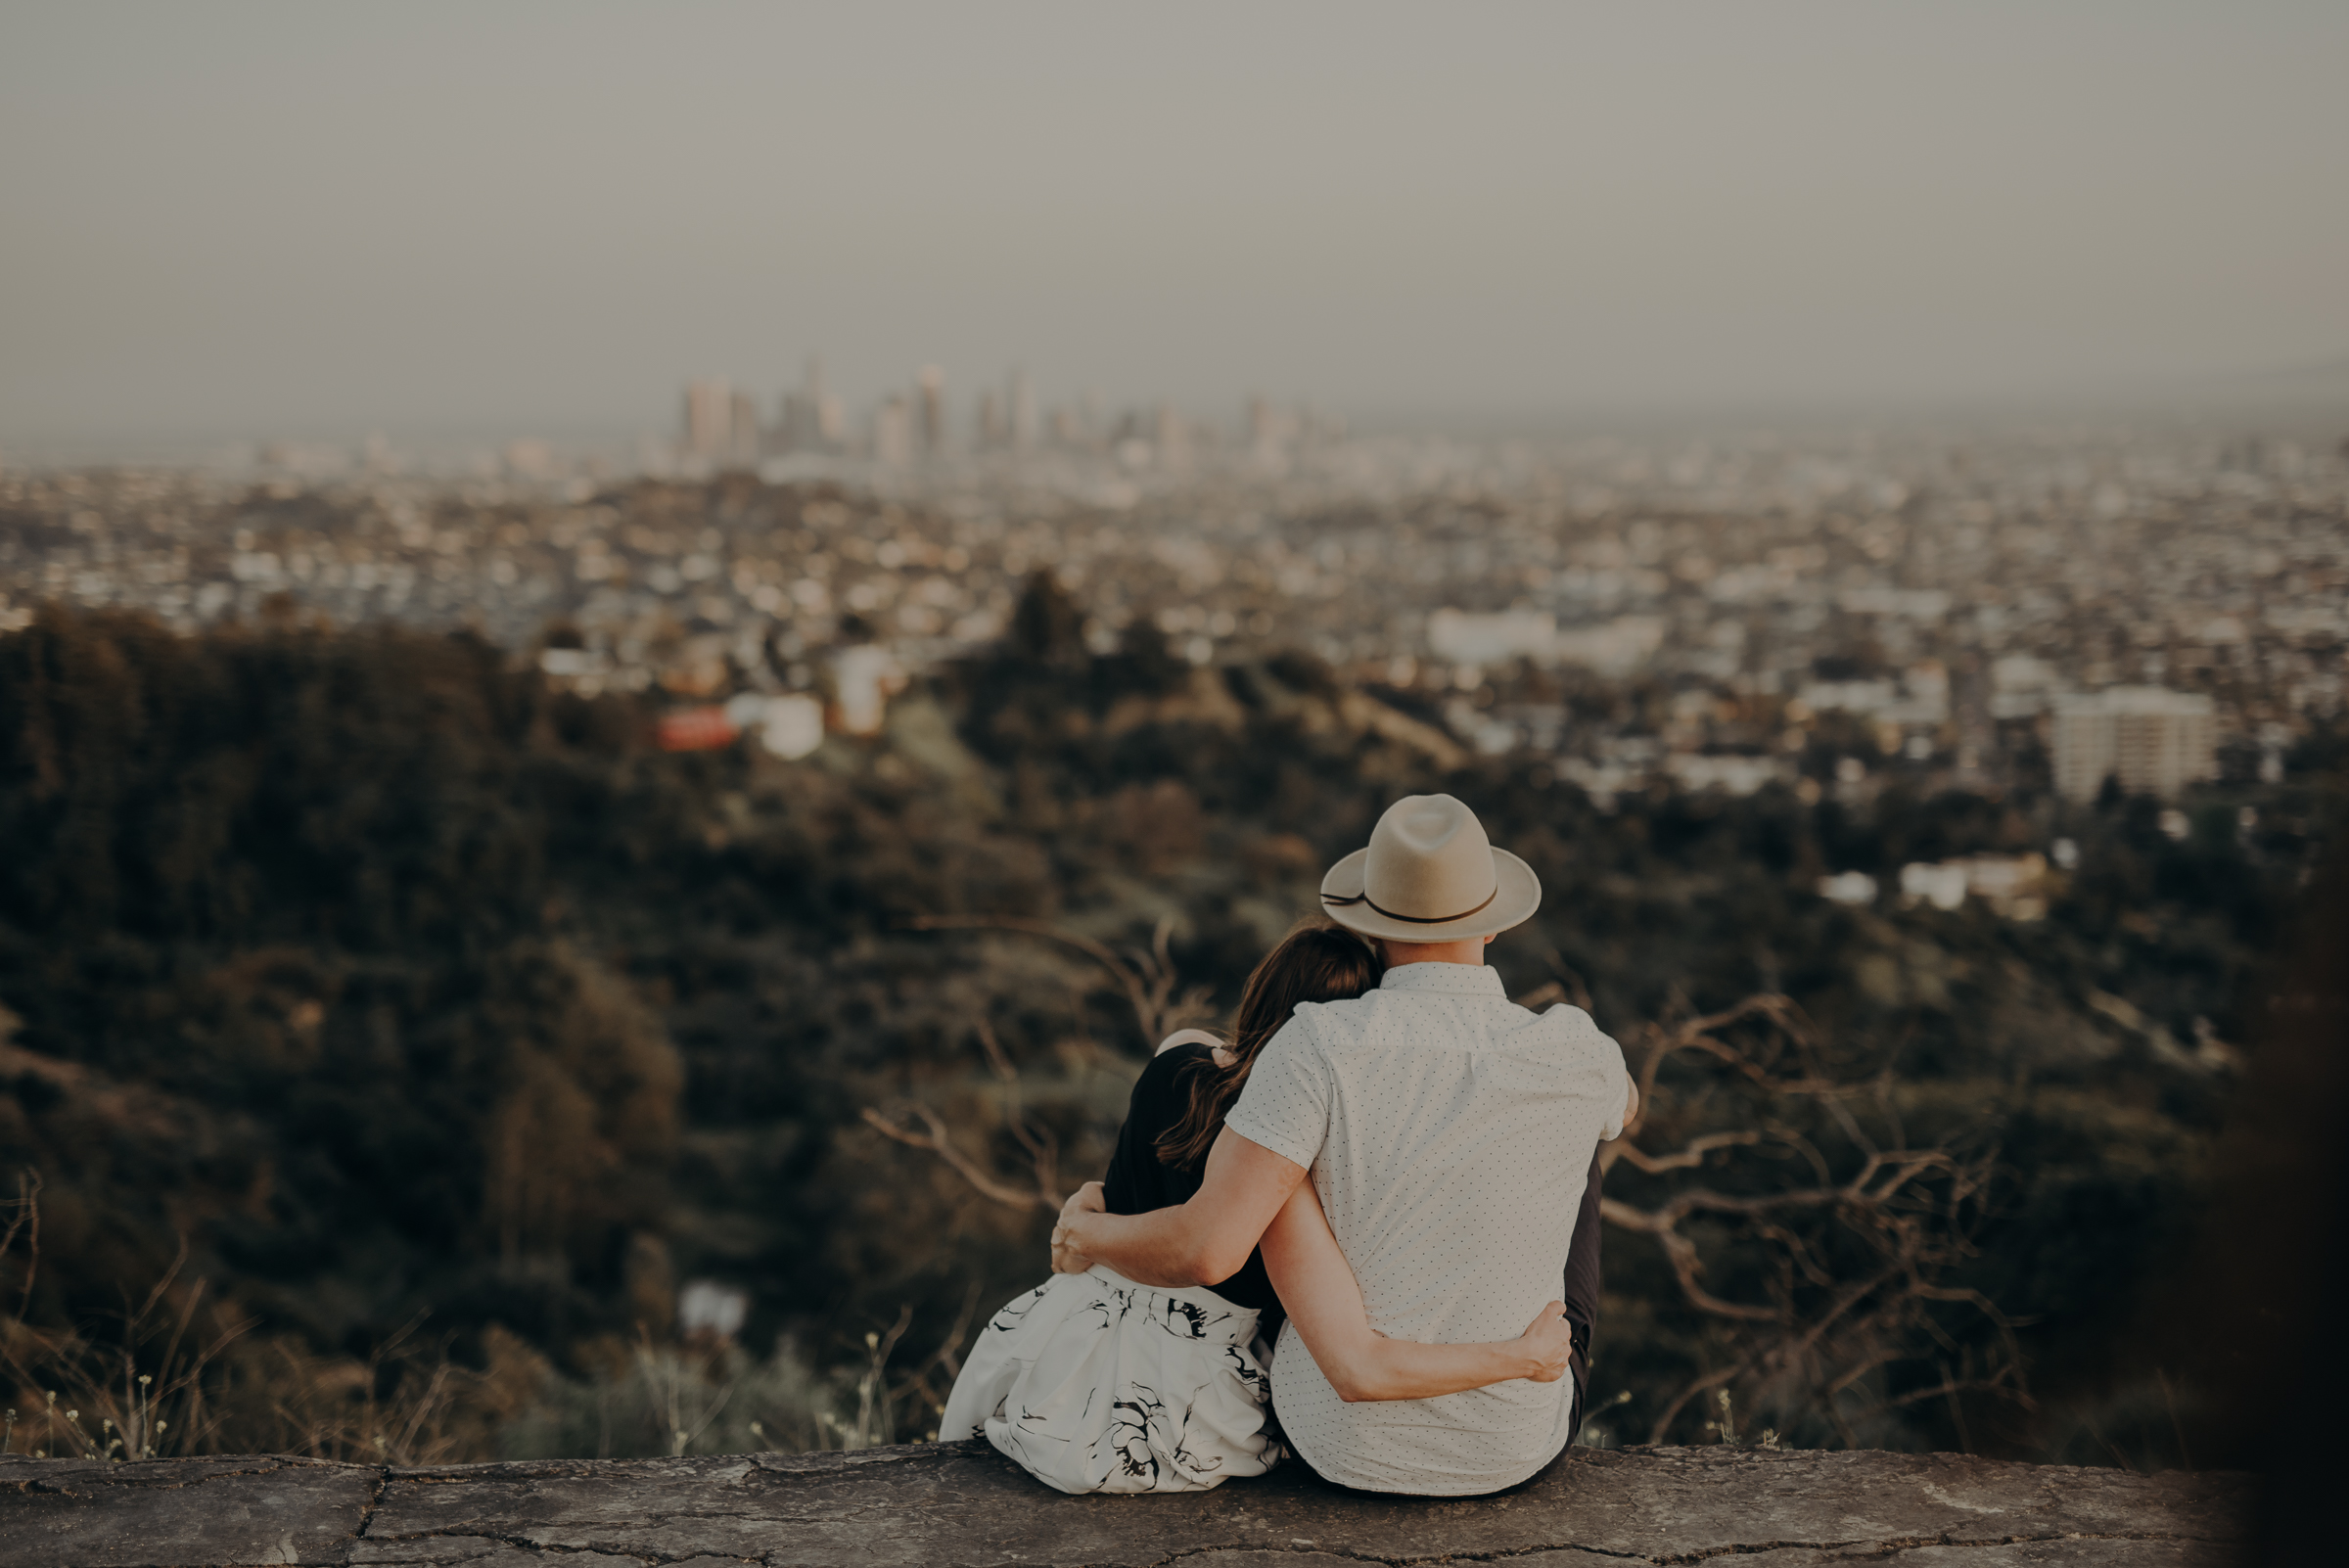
(1094, 1383)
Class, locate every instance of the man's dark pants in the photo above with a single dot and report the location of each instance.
(1581, 1291)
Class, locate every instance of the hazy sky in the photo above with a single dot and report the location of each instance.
(262, 219)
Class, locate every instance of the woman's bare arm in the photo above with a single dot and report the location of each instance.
(1324, 1301)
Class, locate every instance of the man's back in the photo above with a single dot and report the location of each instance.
(1449, 1132)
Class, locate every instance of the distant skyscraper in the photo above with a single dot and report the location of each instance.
(991, 421)
(2154, 741)
(930, 410)
(742, 433)
(1172, 440)
(1271, 432)
(794, 423)
(831, 419)
(1023, 412)
(722, 425)
(710, 419)
(892, 431)
(812, 416)
(530, 459)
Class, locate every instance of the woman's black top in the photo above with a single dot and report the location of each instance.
(1138, 1182)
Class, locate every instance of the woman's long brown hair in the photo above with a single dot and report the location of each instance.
(1317, 962)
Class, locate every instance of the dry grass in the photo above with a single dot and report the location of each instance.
(179, 1372)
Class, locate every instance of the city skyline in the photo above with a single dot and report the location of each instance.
(1811, 613)
(797, 409)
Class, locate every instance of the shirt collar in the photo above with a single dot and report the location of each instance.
(1452, 980)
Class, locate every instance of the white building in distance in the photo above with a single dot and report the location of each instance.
(721, 424)
(709, 418)
(1465, 637)
(892, 431)
(2154, 740)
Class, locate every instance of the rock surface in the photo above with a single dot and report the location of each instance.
(963, 1503)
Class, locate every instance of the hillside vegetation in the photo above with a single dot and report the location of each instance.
(386, 1039)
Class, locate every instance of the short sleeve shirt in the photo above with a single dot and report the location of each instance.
(1448, 1134)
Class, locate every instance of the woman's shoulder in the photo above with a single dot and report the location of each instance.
(1187, 1036)
(1163, 1092)
(1172, 1063)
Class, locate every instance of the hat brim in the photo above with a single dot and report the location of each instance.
(1518, 895)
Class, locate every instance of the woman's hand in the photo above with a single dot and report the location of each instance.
(1326, 1307)
(1546, 1344)
(1067, 1257)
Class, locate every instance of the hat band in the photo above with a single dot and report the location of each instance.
(1417, 920)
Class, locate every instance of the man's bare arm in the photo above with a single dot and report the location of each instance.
(1202, 1242)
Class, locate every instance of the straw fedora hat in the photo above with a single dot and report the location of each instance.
(1429, 874)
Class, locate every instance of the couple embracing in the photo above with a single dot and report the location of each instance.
(1364, 1230)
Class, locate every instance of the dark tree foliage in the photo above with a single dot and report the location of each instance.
(393, 980)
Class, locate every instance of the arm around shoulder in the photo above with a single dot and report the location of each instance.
(1325, 1302)
(1204, 1241)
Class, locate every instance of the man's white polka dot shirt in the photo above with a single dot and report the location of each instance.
(1449, 1132)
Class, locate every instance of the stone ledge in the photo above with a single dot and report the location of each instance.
(962, 1504)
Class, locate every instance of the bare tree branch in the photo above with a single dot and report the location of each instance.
(1034, 1140)
(1147, 978)
(1689, 1154)
(28, 1220)
(1041, 1147)
(1852, 1277)
(934, 1138)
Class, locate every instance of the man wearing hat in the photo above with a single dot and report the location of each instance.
(1449, 1135)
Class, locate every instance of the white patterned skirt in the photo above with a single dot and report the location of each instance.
(1093, 1383)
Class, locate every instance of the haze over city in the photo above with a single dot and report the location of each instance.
(257, 220)
(653, 656)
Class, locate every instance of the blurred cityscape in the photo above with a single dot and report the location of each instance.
(1824, 612)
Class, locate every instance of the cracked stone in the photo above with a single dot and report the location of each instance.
(150, 1513)
(1270, 1559)
(965, 1504)
(2069, 1553)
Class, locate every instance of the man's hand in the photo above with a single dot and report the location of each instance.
(1066, 1258)
(1547, 1343)
(1199, 1242)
